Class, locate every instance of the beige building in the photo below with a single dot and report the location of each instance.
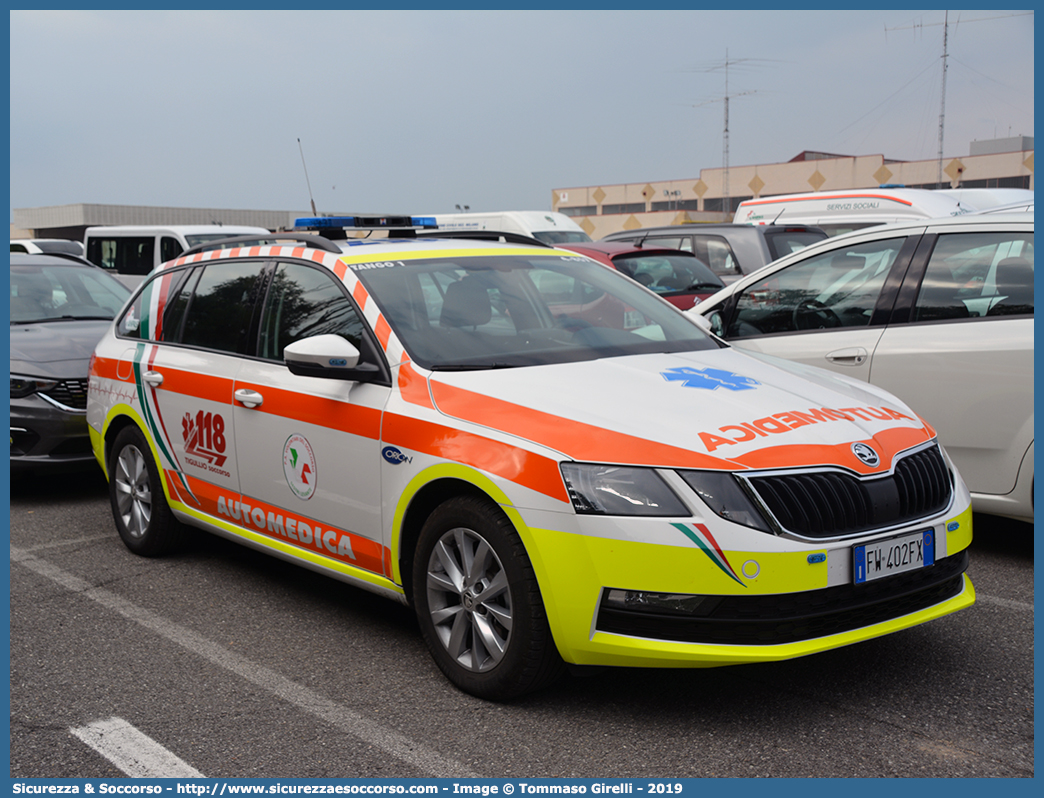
(605, 209)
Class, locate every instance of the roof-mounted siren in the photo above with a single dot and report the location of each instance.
(337, 227)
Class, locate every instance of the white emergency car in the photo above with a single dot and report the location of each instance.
(548, 461)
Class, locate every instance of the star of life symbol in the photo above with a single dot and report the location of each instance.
(204, 437)
(710, 379)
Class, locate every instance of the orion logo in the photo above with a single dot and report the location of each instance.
(709, 379)
(395, 456)
(867, 455)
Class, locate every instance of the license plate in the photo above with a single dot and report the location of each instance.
(893, 556)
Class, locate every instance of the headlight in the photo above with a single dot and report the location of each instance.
(722, 493)
(618, 490)
(27, 386)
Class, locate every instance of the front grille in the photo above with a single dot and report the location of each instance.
(71, 393)
(829, 504)
(791, 617)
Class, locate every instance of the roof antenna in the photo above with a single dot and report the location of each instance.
(307, 181)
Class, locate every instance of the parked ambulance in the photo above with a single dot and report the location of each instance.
(842, 211)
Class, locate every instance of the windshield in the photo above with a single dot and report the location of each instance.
(510, 310)
(555, 237)
(44, 293)
(668, 274)
(784, 241)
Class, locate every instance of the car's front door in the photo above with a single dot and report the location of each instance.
(309, 447)
(824, 310)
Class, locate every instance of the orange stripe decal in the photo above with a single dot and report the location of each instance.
(510, 462)
(888, 443)
(383, 331)
(413, 387)
(321, 411)
(201, 386)
(295, 530)
(577, 440)
(818, 197)
(359, 294)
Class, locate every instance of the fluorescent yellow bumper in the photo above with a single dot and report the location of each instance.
(574, 569)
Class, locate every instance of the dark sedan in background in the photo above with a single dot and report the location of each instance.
(60, 308)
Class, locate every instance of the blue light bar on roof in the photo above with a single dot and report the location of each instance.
(363, 222)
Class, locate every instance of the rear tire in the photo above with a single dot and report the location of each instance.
(478, 602)
(139, 508)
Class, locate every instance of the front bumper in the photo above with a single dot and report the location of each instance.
(780, 602)
(44, 436)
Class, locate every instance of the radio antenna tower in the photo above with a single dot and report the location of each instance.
(725, 199)
(942, 102)
(945, 55)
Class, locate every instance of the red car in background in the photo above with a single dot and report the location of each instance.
(679, 277)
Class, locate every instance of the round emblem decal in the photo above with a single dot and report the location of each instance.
(865, 454)
(299, 466)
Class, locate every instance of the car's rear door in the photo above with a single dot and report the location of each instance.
(959, 350)
(192, 327)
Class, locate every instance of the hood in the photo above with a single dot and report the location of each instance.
(718, 409)
(56, 348)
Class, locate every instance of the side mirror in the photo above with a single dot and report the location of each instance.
(702, 322)
(717, 324)
(329, 356)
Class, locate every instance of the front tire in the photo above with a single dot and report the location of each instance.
(139, 508)
(478, 602)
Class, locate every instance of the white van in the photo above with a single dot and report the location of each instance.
(547, 226)
(839, 212)
(135, 250)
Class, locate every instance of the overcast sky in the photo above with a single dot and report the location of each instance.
(415, 112)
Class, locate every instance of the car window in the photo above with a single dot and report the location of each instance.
(40, 293)
(683, 243)
(836, 289)
(302, 302)
(977, 274)
(783, 242)
(507, 311)
(170, 248)
(716, 253)
(210, 306)
(666, 274)
(124, 254)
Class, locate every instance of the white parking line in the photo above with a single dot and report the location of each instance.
(1009, 604)
(135, 753)
(58, 544)
(397, 745)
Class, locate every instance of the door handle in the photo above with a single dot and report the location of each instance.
(854, 356)
(153, 378)
(248, 398)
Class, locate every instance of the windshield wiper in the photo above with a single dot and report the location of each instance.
(472, 366)
(704, 286)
